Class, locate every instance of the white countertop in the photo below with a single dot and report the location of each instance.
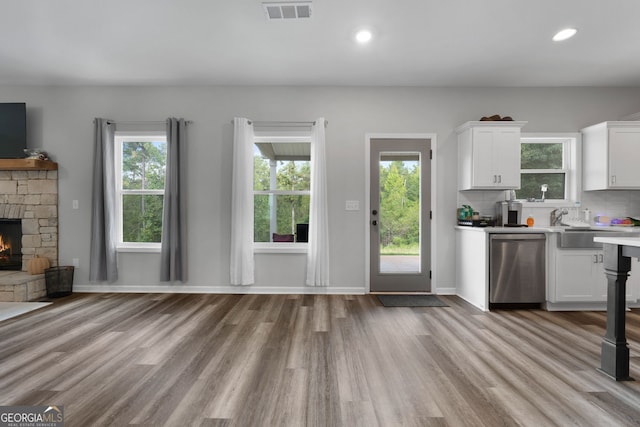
(626, 241)
(510, 229)
(548, 229)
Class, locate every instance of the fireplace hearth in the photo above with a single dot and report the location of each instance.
(10, 244)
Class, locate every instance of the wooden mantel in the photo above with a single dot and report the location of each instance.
(27, 165)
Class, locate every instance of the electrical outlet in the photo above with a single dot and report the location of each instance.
(76, 262)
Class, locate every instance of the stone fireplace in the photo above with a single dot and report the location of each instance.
(29, 196)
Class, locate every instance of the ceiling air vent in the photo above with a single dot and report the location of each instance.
(287, 10)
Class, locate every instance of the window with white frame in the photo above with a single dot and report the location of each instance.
(282, 178)
(140, 163)
(545, 169)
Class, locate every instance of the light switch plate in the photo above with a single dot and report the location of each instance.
(352, 205)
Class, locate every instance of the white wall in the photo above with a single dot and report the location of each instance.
(60, 121)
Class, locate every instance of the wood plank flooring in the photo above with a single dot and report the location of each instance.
(294, 360)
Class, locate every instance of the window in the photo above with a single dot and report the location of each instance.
(140, 161)
(545, 164)
(281, 191)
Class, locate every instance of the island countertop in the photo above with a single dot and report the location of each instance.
(625, 241)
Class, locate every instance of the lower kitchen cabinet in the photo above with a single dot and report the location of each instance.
(634, 278)
(579, 276)
(472, 273)
(575, 277)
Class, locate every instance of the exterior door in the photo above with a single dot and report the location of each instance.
(399, 217)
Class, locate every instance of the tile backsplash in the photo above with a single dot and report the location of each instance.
(612, 203)
(620, 203)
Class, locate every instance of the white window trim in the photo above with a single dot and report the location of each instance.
(281, 247)
(571, 167)
(119, 138)
(283, 192)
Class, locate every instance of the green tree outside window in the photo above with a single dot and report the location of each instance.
(400, 208)
(143, 169)
(542, 163)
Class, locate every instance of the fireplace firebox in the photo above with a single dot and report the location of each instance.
(10, 244)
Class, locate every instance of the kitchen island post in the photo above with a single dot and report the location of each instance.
(618, 251)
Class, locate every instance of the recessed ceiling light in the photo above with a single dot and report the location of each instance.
(565, 34)
(363, 36)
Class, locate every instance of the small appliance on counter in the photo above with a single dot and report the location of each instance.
(509, 214)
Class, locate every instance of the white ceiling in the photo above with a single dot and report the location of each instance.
(230, 42)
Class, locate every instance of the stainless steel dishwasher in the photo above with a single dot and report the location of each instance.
(517, 271)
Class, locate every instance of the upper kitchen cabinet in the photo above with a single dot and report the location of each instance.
(489, 155)
(610, 156)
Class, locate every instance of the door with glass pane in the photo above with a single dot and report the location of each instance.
(399, 217)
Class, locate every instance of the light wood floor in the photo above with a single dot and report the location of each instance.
(256, 360)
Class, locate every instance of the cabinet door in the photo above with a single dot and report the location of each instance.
(624, 157)
(506, 157)
(575, 272)
(484, 175)
(496, 158)
(599, 278)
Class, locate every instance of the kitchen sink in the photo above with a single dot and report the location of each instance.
(581, 238)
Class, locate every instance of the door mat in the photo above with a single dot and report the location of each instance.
(411, 301)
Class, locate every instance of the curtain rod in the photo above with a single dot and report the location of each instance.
(282, 123)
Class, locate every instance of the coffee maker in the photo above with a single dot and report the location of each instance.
(509, 214)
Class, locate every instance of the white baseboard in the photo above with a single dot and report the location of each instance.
(191, 289)
(445, 291)
(179, 289)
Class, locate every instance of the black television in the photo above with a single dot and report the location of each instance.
(13, 130)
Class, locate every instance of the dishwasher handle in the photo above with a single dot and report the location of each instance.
(517, 236)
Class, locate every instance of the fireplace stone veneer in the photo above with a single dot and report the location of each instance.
(31, 196)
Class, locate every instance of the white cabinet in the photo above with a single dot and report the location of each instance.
(580, 277)
(633, 282)
(489, 155)
(472, 272)
(611, 155)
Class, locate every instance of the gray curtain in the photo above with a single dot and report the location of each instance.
(103, 264)
(173, 252)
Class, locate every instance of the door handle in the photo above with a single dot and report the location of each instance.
(595, 259)
(601, 258)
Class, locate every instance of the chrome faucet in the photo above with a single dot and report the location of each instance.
(556, 216)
